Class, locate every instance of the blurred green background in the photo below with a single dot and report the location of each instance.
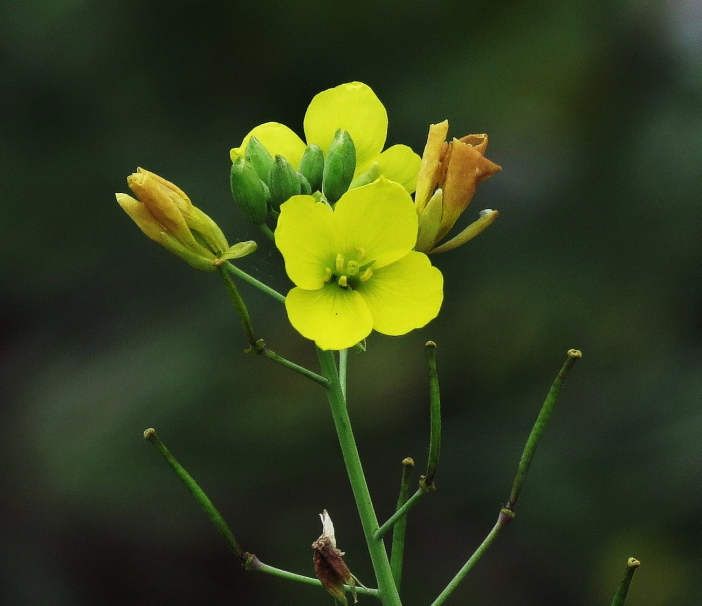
(594, 109)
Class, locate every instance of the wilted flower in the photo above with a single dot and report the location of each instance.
(448, 176)
(329, 565)
(354, 268)
(167, 216)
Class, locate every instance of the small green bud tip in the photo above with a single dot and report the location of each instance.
(149, 433)
(430, 345)
(408, 462)
(508, 513)
(283, 182)
(258, 157)
(312, 166)
(633, 563)
(249, 191)
(575, 353)
(339, 166)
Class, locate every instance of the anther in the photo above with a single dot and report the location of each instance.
(365, 276)
(343, 281)
(339, 263)
(328, 274)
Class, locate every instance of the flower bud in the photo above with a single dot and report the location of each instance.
(339, 166)
(283, 181)
(249, 192)
(312, 166)
(167, 216)
(455, 170)
(258, 156)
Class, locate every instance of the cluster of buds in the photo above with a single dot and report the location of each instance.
(448, 176)
(166, 215)
(260, 183)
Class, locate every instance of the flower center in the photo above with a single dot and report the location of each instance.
(349, 272)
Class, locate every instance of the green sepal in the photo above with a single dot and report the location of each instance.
(193, 259)
(249, 192)
(367, 176)
(259, 157)
(339, 166)
(312, 166)
(305, 187)
(283, 182)
(240, 249)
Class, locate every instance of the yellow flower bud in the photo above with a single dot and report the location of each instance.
(167, 216)
(448, 177)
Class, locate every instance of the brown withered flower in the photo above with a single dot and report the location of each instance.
(329, 565)
(449, 174)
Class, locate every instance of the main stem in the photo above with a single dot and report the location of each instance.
(387, 591)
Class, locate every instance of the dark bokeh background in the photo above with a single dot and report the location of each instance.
(594, 109)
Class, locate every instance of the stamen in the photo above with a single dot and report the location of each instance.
(343, 281)
(328, 274)
(361, 252)
(339, 263)
(365, 276)
(352, 268)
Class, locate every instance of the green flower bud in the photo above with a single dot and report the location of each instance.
(312, 166)
(250, 193)
(339, 166)
(305, 187)
(259, 157)
(283, 182)
(367, 176)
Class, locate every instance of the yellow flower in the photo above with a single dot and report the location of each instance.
(352, 107)
(353, 267)
(167, 216)
(448, 177)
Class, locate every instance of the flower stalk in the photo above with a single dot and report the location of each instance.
(200, 496)
(387, 590)
(398, 532)
(623, 590)
(507, 514)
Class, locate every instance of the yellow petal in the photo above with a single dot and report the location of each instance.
(141, 216)
(434, 150)
(399, 163)
(353, 107)
(377, 221)
(277, 139)
(333, 317)
(405, 295)
(305, 238)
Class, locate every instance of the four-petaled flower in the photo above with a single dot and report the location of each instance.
(352, 107)
(353, 266)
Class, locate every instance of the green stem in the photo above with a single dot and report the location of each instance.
(620, 597)
(435, 414)
(271, 355)
(507, 512)
(234, 270)
(343, 365)
(398, 532)
(197, 492)
(472, 560)
(267, 231)
(387, 591)
(539, 427)
(239, 306)
(401, 511)
(255, 564)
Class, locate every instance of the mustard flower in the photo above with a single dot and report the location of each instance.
(351, 107)
(448, 176)
(166, 215)
(353, 266)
